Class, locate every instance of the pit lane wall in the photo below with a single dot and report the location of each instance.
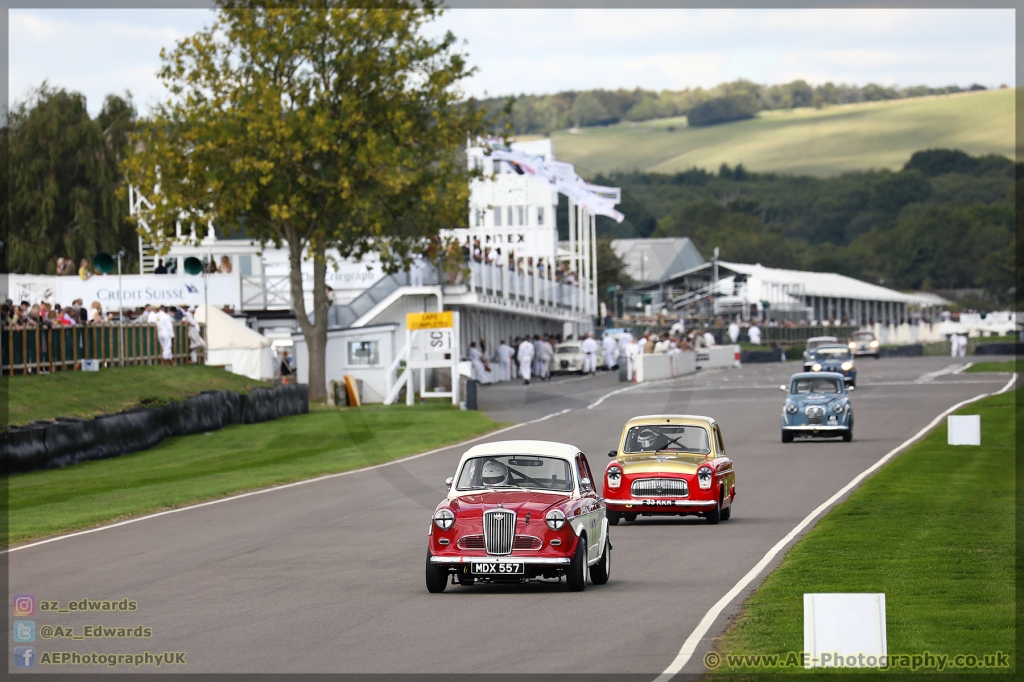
(665, 366)
(48, 445)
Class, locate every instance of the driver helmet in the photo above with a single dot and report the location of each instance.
(494, 473)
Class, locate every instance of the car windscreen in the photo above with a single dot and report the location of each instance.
(814, 343)
(862, 336)
(815, 385)
(830, 353)
(567, 350)
(516, 471)
(667, 438)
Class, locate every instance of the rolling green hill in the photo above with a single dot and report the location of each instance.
(821, 142)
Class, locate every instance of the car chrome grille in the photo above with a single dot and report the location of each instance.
(660, 487)
(499, 530)
(520, 542)
(471, 542)
(527, 542)
(815, 414)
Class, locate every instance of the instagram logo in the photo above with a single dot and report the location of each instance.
(24, 605)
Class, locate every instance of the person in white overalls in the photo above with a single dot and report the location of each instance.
(476, 360)
(505, 353)
(525, 356)
(632, 351)
(589, 348)
(611, 352)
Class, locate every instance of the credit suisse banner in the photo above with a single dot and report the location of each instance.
(137, 290)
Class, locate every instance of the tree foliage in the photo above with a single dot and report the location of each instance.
(320, 125)
(945, 221)
(64, 178)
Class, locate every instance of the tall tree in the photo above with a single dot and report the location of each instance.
(64, 178)
(319, 125)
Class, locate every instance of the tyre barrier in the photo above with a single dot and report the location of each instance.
(48, 445)
(911, 351)
(999, 349)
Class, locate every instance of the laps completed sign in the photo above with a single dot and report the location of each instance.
(416, 321)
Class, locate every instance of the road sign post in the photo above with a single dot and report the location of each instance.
(433, 342)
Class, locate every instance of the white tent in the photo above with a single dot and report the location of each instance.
(232, 343)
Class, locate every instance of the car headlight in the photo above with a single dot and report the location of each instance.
(614, 477)
(555, 519)
(837, 408)
(704, 476)
(816, 367)
(444, 519)
(791, 408)
(853, 344)
(847, 366)
(874, 344)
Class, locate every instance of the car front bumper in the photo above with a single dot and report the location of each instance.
(810, 427)
(635, 502)
(528, 561)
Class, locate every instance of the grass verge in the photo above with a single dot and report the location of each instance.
(190, 469)
(1004, 366)
(87, 394)
(933, 530)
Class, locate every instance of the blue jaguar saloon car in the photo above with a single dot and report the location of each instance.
(817, 406)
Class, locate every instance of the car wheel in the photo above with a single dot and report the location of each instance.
(715, 515)
(727, 512)
(848, 435)
(576, 575)
(630, 518)
(600, 571)
(613, 518)
(437, 576)
(787, 437)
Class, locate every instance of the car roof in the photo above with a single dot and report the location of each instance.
(522, 447)
(813, 375)
(832, 345)
(822, 338)
(655, 418)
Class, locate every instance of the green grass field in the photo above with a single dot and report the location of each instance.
(87, 394)
(819, 142)
(1004, 366)
(189, 469)
(933, 530)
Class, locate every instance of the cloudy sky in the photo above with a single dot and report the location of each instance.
(540, 51)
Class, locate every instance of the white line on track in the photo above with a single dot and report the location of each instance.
(690, 645)
(960, 369)
(277, 487)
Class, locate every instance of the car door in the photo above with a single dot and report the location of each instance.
(724, 464)
(591, 508)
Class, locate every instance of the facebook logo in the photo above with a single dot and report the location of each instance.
(24, 657)
(24, 631)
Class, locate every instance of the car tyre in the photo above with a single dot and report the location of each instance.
(715, 515)
(437, 577)
(576, 575)
(613, 518)
(727, 512)
(600, 571)
(787, 437)
(630, 518)
(848, 435)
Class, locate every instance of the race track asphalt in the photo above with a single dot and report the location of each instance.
(327, 577)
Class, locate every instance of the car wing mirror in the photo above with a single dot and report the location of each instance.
(585, 483)
(448, 482)
(612, 453)
(782, 388)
